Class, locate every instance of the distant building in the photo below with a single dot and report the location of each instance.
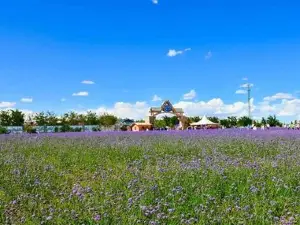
(141, 127)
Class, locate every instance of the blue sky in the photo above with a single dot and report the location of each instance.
(48, 49)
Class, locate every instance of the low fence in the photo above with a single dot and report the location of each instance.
(52, 129)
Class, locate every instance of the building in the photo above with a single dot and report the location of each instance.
(141, 127)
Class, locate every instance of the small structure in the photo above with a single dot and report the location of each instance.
(141, 127)
(205, 123)
(167, 107)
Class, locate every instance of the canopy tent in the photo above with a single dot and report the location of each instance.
(204, 121)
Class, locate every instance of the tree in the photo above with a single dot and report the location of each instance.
(263, 121)
(232, 121)
(244, 121)
(194, 119)
(214, 119)
(51, 119)
(160, 123)
(5, 118)
(273, 121)
(91, 118)
(41, 119)
(17, 118)
(107, 120)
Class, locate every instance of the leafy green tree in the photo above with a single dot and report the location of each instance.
(263, 121)
(91, 118)
(41, 119)
(140, 121)
(51, 119)
(194, 119)
(232, 121)
(244, 121)
(273, 121)
(214, 119)
(17, 118)
(107, 120)
(5, 118)
(160, 123)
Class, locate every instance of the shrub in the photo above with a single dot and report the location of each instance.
(56, 129)
(3, 130)
(66, 128)
(77, 129)
(96, 129)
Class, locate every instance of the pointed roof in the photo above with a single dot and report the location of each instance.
(203, 121)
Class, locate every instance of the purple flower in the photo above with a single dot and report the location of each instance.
(97, 217)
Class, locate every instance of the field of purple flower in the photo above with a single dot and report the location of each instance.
(191, 177)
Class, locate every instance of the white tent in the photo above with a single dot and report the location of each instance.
(203, 121)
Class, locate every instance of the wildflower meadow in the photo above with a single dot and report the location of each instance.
(174, 177)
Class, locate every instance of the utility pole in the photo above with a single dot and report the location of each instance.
(249, 99)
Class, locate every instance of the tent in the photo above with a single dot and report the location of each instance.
(204, 121)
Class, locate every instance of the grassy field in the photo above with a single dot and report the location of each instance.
(203, 177)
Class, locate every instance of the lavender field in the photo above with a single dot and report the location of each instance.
(190, 177)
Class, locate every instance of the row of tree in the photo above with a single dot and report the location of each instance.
(17, 118)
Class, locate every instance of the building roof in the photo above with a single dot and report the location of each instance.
(142, 124)
(203, 121)
(158, 109)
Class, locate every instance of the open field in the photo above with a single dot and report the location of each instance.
(192, 177)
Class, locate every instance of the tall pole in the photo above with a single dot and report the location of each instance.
(249, 99)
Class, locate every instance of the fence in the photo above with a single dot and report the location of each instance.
(51, 129)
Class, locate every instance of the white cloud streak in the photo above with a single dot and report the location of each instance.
(7, 104)
(26, 100)
(156, 98)
(81, 93)
(88, 82)
(190, 95)
(173, 52)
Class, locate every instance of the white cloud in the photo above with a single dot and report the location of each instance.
(27, 100)
(190, 95)
(156, 98)
(241, 92)
(138, 110)
(246, 85)
(81, 93)
(208, 55)
(285, 109)
(7, 104)
(279, 96)
(155, 2)
(173, 52)
(63, 100)
(88, 82)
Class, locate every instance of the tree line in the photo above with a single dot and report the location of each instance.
(17, 118)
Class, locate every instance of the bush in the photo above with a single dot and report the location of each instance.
(96, 129)
(66, 128)
(77, 129)
(56, 129)
(30, 130)
(3, 130)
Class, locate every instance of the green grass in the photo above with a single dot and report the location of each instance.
(153, 180)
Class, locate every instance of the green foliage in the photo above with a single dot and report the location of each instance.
(91, 119)
(5, 118)
(108, 120)
(160, 124)
(244, 121)
(65, 128)
(17, 118)
(3, 130)
(214, 119)
(29, 129)
(273, 121)
(96, 129)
